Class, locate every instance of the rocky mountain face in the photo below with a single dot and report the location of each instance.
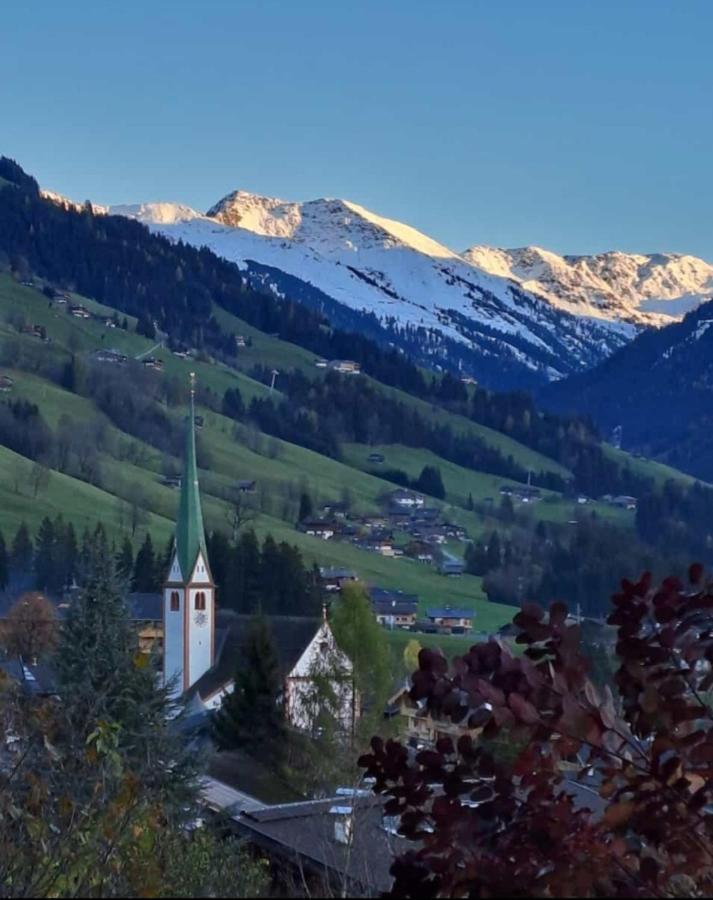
(652, 289)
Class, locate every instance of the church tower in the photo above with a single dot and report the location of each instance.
(189, 592)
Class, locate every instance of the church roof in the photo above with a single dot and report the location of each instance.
(292, 636)
(190, 534)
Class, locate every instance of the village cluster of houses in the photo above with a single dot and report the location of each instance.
(404, 512)
(397, 610)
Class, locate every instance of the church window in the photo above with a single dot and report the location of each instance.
(200, 600)
(175, 601)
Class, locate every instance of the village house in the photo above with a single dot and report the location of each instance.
(384, 546)
(342, 846)
(246, 486)
(112, 357)
(625, 502)
(146, 612)
(172, 481)
(151, 362)
(394, 609)
(79, 311)
(337, 509)
(321, 363)
(376, 458)
(6, 384)
(419, 727)
(457, 621)
(37, 331)
(404, 499)
(318, 528)
(345, 366)
(452, 567)
(334, 578)
(455, 531)
(374, 521)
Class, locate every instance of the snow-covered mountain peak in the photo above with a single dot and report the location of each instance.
(342, 223)
(157, 213)
(646, 288)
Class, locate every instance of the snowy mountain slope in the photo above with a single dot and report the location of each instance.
(652, 289)
(407, 281)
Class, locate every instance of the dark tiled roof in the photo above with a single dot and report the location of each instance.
(292, 636)
(448, 613)
(305, 833)
(145, 607)
(378, 594)
(328, 572)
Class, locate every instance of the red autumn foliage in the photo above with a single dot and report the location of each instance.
(630, 818)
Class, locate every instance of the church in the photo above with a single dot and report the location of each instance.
(202, 645)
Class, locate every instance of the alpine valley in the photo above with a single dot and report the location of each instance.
(335, 354)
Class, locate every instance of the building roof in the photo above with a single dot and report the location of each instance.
(190, 534)
(395, 607)
(448, 612)
(377, 593)
(38, 679)
(145, 607)
(292, 636)
(328, 572)
(304, 833)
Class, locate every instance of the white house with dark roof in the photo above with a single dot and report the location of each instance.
(305, 648)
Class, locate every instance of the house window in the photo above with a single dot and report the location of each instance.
(200, 600)
(175, 601)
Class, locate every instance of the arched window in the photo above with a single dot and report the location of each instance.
(200, 600)
(175, 601)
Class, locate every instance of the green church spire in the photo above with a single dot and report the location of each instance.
(190, 535)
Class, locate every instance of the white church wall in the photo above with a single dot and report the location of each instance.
(173, 646)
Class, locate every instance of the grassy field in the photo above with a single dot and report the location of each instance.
(647, 468)
(460, 483)
(265, 350)
(281, 470)
(84, 336)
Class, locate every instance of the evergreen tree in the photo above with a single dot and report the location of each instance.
(247, 573)
(476, 558)
(470, 505)
(22, 552)
(70, 552)
(272, 596)
(4, 564)
(233, 405)
(145, 569)
(220, 554)
(494, 552)
(107, 683)
(45, 552)
(430, 482)
(125, 562)
(306, 508)
(251, 717)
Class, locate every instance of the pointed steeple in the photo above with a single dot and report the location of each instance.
(190, 534)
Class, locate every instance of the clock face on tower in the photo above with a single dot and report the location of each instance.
(200, 619)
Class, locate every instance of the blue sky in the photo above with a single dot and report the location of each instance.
(580, 126)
